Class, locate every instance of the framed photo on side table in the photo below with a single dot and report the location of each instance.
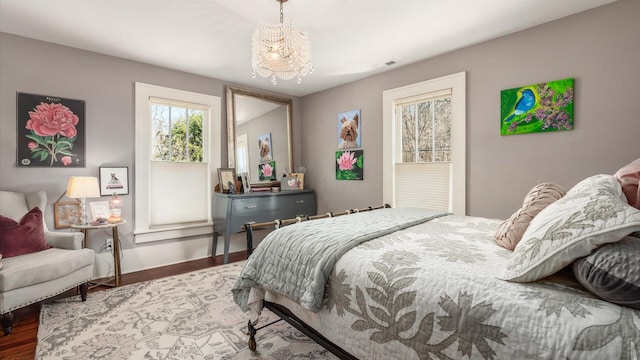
(114, 179)
(99, 212)
(225, 177)
(65, 213)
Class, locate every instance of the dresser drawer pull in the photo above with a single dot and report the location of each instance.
(251, 206)
(299, 201)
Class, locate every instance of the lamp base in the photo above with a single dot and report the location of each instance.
(83, 212)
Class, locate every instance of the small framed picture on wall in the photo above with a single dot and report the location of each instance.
(114, 179)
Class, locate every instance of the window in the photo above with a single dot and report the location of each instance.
(175, 155)
(426, 129)
(424, 145)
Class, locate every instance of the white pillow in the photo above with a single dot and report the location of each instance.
(594, 212)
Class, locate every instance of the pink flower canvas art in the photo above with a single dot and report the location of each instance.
(350, 165)
(50, 131)
(267, 171)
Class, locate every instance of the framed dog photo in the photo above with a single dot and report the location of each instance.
(349, 124)
(114, 179)
(264, 146)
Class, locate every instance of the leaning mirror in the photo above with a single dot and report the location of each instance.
(259, 134)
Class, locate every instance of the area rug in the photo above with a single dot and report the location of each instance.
(188, 316)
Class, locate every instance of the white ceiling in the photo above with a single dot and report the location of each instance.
(350, 39)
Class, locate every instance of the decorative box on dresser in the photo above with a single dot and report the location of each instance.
(232, 211)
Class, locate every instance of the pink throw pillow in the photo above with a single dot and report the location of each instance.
(539, 197)
(24, 237)
(629, 177)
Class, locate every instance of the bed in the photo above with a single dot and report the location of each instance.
(409, 283)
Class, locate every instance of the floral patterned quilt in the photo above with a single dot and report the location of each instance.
(431, 292)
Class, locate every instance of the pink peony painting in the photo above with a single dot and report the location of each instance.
(350, 165)
(267, 171)
(50, 131)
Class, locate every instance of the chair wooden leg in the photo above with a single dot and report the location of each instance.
(83, 291)
(7, 320)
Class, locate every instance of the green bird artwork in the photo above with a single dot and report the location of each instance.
(543, 107)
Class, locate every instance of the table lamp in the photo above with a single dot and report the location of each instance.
(81, 188)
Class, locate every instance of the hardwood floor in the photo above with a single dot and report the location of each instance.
(21, 344)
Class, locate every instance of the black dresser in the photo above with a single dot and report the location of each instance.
(232, 211)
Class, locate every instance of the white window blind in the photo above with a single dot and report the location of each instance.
(424, 97)
(423, 185)
(179, 192)
(191, 105)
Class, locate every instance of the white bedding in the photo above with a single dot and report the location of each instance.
(431, 292)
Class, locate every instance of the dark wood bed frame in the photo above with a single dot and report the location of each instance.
(284, 313)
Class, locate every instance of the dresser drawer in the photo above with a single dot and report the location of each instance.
(269, 204)
(297, 202)
(253, 205)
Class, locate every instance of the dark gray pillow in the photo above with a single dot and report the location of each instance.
(612, 272)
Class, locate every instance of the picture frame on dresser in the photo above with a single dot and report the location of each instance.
(226, 179)
(246, 185)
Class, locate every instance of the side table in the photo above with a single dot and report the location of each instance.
(116, 246)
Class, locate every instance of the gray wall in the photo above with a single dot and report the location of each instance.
(600, 48)
(107, 85)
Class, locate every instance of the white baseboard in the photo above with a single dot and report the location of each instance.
(157, 254)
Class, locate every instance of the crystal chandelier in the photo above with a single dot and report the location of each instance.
(280, 51)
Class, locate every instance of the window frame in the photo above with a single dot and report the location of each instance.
(212, 138)
(391, 152)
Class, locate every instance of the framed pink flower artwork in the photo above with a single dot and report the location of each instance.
(51, 131)
(350, 165)
(267, 171)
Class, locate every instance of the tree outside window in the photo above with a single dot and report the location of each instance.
(176, 133)
(426, 131)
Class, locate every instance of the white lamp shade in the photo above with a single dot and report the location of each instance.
(83, 187)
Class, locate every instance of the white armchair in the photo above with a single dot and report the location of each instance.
(31, 278)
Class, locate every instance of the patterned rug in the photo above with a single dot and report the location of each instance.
(188, 316)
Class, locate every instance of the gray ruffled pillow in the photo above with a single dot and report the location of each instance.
(612, 272)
